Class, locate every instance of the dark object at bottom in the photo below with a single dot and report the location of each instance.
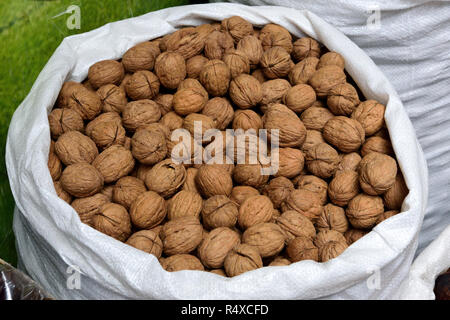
(442, 286)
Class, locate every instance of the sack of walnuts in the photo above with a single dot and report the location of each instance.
(219, 152)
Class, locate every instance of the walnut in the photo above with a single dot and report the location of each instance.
(106, 134)
(305, 202)
(279, 261)
(256, 209)
(331, 59)
(165, 178)
(349, 161)
(113, 220)
(114, 162)
(237, 61)
(54, 166)
(165, 103)
(331, 250)
(313, 137)
(105, 72)
(170, 68)
(377, 173)
(247, 119)
(206, 123)
(370, 114)
(292, 132)
(189, 83)
(88, 207)
(386, 215)
(343, 99)
(252, 48)
(189, 100)
(220, 110)
(363, 211)
(215, 77)
(241, 193)
(127, 189)
(353, 235)
(325, 236)
(295, 224)
(125, 80)
(315, 118)
(274, 91)
(181, 235)
(259, 75)
(322, 160)
(304, 48)
(104, 117)
(184, 203)
(66, 91)
(172, 121)
(189, 41)
(216, 245)
(249, 175)
(63, 194)
(181, 262)
(219, 211)
(241, 259)
(394, 196)
(278, 189)
(302, 248)
(64, 120)
(141, 112)
(245, 91)
(148, 146)
(108, 192)
(314, 184)
(300, 97)
(219, 272)
(217, 44)
(273, 35)
(195, 65)
(113, 98)
(343, 187)
(140, 57)
(324, 79)
(237, 27)
(147, 241)
(302, 72)
(143, 84)
(344, 133)
(148, 210)
(267, 237)
(74, 147)
(213, 180)
(377, 144)
(276, 63)
(85, 102)
(157, 127)
(291, 162)
(332, 218)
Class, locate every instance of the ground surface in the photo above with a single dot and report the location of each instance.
(28, 36)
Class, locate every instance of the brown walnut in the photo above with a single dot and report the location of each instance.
(278, 189)
(331, 59)
(148, 146)
(344, 133)
(170, 68)
(295, 224)
(216, 245)
(302, 248)
(291, 162)
(143, 84)
(326, 78)
(363, 211)
(237, 61)
(292, 132)
(113, 220)
(302, 72)
(139, 113)
(64, 120)
(237, 27)
(165, 178)
(140, 57)
(240, 193)
(105, 72)
(252, 48)
(394, 196)
(377, 173)
(370, 114)
(267, 237)
(127, 189)
(322, 160)
(273, 35)
(241, 259)
(343, 187)
(114, 162)
(220, 110)
(88, 207)
(184, 203)
(276, 63)
(331, 250)
(74, 147)
(147, 241)
(314, 184)
(332, 218)
(255, 210)
(377, 144)
(219, 211)
(189, 100)
(305, 47)
(148, 210)
(305, 202)
(343, 99)
(245, 91)
(113, 98)
(215, 77)
(181, 235)
(315, 118)
(181, 262)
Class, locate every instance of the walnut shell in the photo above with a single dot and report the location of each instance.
(241, 259)
(54, 166)
(255, 210)
(217, 44)
(195, 65)
(147, 241)
(377, 144)
(252, 48)
(273, 35)
(113, 220)
(314, 184)
(394, 196)
(353, 235)
(219, 211)
(88, 207)
(313, 137)
(127, 189)
(377, 173)
(302, 248)
(237, 27)
(213, 180)
(104, 117)
(215, 77)
(165, 103)
(305, 202)
(74, 147)
(113, 98)
(247, 119)
(143, 84)
(141, 112)
(114, 163)
(363, 211)
(64, 120)
(300, 97)
(219, 272)
(67, 89)
(189, 184)
(148, 146)
(332, 218)
(259, 75)
(84, 101)
(237, 61)
(189, 41)
(302, 72)
(295, 224)
(331, 250)
(165, 178)
(276, 63)
(324, 79)
(322, 160)
(245, 91)
(292, 132)
(172, 121)
(181, 235)
(205, 123)
(278, 189)
(181, 262)
(344, 133)
(370, 114)
(349, 161)
(63, 194)
(170, 68)
(331, 59)
(315, 118)
(343, 99)
(267, 237)
(386, 215)
(240, 193)
(305, 47)
(274, 91)
(108, 192)
(189, 100)
(216, 245)
(220, 110)
(148, 210)
(279, 261)
(343, 187)
(105, 72)
(291, 162)
(250, 175)
(140, 57)
(184, 203)
(325, 236)
(106, 134)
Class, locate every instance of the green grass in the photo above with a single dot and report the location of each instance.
(28, 36)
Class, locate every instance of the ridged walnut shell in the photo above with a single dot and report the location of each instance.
(103, 117)
(189, 41)
(148, 210)
(241, 259)
(273, 35)
(343, 99)
(305, 47)
(343, 187)
(170, 68)
(303, 71)
(276, 63)
(245, 91)
(331, 250)
(349, 161)
(140, 57)
(217, 44)
(326, 78)
(143, 84)
(215, 77)
(220, 110)
(268, 238)
(315, 117)
(240, 193)
(113, 98)
(274, 91)
(278, 189)
(322, 160)
(363, 211)
(300, 97)
(377, 144)
(189, 100)
(113, 220)
(250, 175)
(165, 178)
(313, 137)
(88, 207)
(377, 173)
(302, 248)
(114, 163)
(295, 224)
(344, 133)
(139, 113)
(314, 184)
(370, 114)
(106, 134)
(332, 218)
(213, 180)
(290, 163)
(279, 261)
(255, 210)
(64, 120)
(247, 119)
(127, 189)
(237, 27)
(386, 215)
(195, 65)
(54, 166)
(165, 103)
(148, 146)
(251, 46)
(181, 235)
(81, 180)
(105, 72)
(63, 194)
(184, 203)
(331, 59)
(353, 235)
(325, 236)
(147, 241)
(216, 245)
(394, 196)
(74, 147)
(305, 202)
(219, 211)
(82, 100)
(181, 262)
(237, 61)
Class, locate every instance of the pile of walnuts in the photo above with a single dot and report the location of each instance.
(110, 155)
